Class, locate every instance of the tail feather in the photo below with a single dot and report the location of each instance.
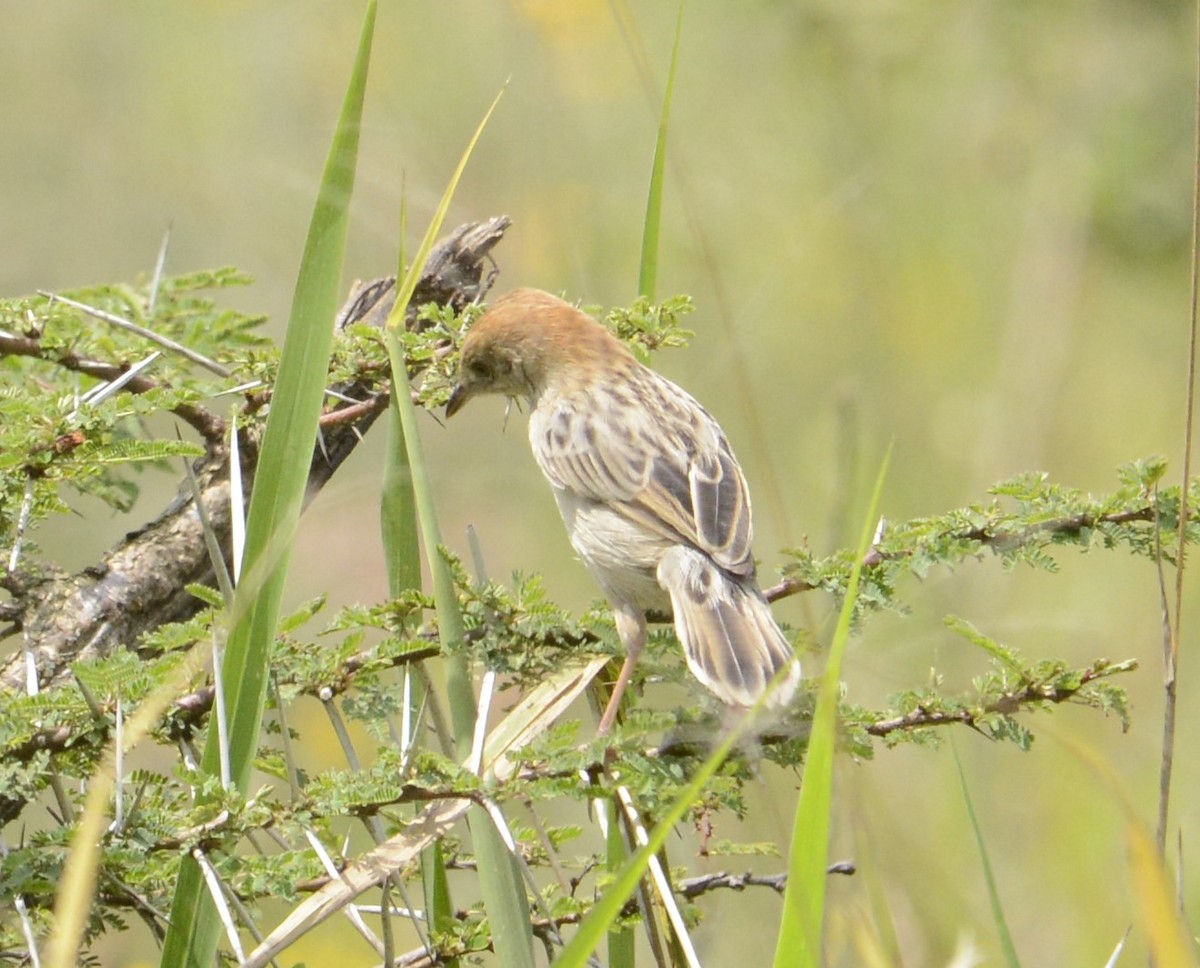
(729, 636)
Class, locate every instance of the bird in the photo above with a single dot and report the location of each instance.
(653, 498)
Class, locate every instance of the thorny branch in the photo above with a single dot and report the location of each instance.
(190, 710)
(689, 888)
(206, 423)
(997, 540)
(142, 582)
(1032, 693)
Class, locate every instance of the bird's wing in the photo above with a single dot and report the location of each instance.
(656, 457)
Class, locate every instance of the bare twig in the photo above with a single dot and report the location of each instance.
(691, 887)
(1169, 686)
(1171, 651)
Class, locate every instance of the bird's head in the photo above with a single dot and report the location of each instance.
(526, 341)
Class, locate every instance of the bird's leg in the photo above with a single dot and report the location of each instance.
(631, 627)
(610, 711)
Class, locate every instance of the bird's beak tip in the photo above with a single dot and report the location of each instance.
(457, 400)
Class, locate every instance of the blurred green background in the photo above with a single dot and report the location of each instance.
(962, 226)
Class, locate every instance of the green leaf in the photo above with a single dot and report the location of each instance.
(991, 646)
(130, 451)
(1143, 473)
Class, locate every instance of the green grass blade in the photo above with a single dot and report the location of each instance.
(402, 551)
(799, 942)
(503, 892)
(408, 283)
(450, 626)
(599, 920)
(1006, 941)
(437, 888)
(621, 941)
(401, 548)
(398, 505)
(398, 518)
(275, 505)
(450, 622)
(648, 272)
(282, 472)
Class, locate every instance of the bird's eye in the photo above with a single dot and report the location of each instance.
(479, 369)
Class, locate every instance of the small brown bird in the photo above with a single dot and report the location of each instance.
(654, 500)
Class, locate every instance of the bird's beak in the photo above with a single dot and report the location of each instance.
(457, 400)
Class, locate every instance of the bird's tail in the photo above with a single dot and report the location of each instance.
(729, 636)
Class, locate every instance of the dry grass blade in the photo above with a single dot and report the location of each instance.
(534, 714)
(661, 884)
(368, 871)
(78, 881)
(1162, 923)
(531, 717)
